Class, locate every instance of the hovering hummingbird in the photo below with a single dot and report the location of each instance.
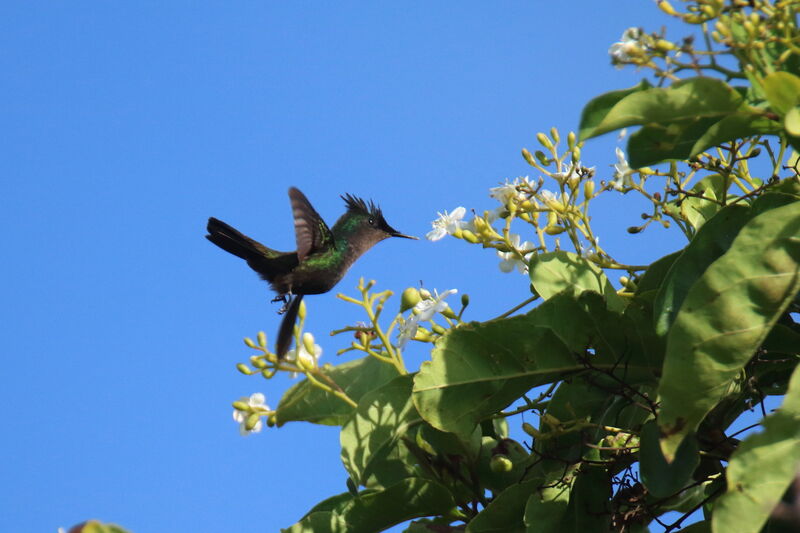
(322, 258)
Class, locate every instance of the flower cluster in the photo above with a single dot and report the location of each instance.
(563, 209)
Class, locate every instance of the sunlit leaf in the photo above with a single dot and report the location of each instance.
(688, 99)
(596, 110)
(725, 316)
(370, 439)
(782, 90)
(553, 272)
(308, 403)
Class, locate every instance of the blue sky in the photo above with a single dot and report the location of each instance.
(127, 125)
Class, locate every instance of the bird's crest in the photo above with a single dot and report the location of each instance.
(354, 203)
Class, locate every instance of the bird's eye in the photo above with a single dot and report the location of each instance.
(371, 221)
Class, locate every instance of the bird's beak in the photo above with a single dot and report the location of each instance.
(394, 233)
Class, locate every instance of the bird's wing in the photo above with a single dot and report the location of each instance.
(310, 230)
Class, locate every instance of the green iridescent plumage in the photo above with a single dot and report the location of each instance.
(322, 257)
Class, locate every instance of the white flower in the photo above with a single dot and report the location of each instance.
(256, 402)
(447, 223)
(511, 259)
(622, 172)
(430, 306)
(424, 310)
(627, 47)
(301, 357)
(570, 171)
(407, 330)
(504, 193)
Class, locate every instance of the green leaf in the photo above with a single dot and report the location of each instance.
(698, 527)
(725, 316)
(662, 141)
(596, 110)
(478, 369)
(505, 513)
(736, 126)
(372, 511)
(691, 98)
(762, 468)
(710, 242)
(553, 272)
(545, 508)
(93, 526)
(698, 210)
(663, 478)
(307, 403)
(654, 276)
(792, 121)
(782, 90)
(370, 439)
(589, 509)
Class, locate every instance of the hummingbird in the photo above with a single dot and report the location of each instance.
(322, 258)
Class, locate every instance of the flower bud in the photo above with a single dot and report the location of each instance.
(666, 7)
(262, 339)
(576, 153)
(252, 420)
(634, 229)
(554, 135)
(554, 230)
(464, 300)
(469, 236)
(308, 342)
(588, 189)
(244, 369)
(258, 363)
(571, 140)
(541, 157)
(241, 406)
(530, 430)
(425, 294)
(500, 464)
(544, 141)
(528, 156)
(302, 311)
(249, 342)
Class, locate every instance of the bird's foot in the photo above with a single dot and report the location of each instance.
(282, 298)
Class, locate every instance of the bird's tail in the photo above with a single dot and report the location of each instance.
(233, 241)
(287, 327)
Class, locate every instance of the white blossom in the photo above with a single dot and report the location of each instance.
(627, 47)
(510, 260)
(257, 402)
(622, 172)
(447, 223)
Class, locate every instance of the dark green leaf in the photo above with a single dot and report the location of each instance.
(739, 125)
(663, 478)
(307, 403)
(762, 468)
(655, 274)
(725, 316)
(662, 141)
(505, 513)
